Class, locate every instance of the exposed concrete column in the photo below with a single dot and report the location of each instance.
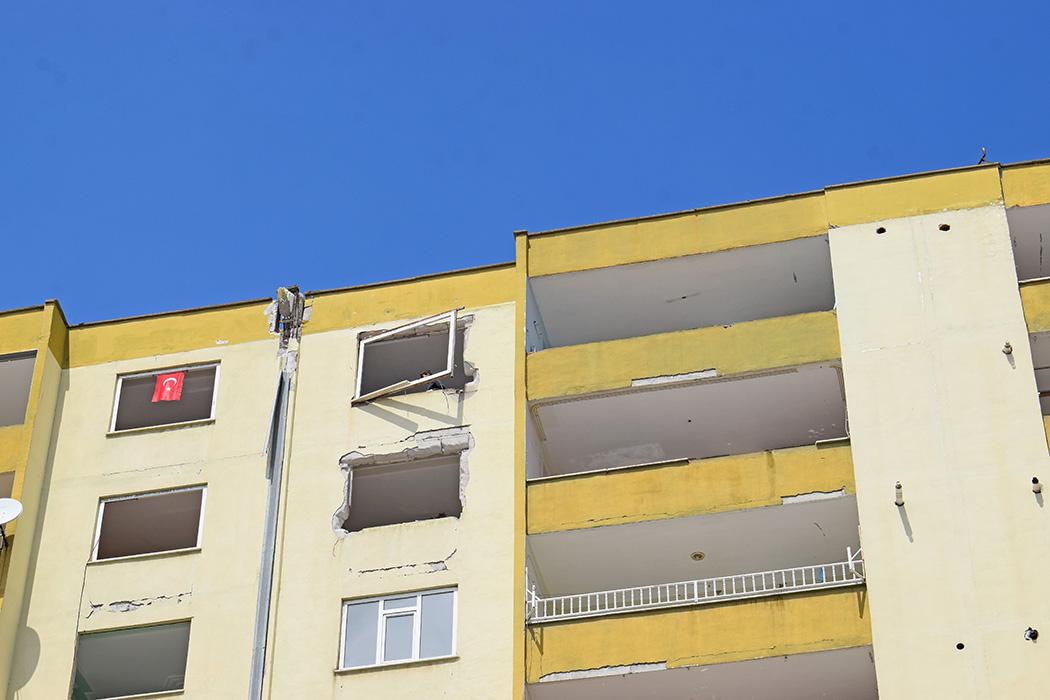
(925, 306)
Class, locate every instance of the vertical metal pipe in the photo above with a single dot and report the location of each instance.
(274, 472)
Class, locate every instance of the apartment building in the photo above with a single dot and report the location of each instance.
(788, 448)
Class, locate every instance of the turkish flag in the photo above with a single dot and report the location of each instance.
(169, 387)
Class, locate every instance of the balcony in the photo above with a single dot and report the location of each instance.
(686, 488)
(841, 674)
(688, 418)
(678, 293)
(814, 643)
(720, 589)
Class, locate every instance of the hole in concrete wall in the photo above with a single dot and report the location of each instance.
(123, 662)
(402, 493)
(418, 357)
(136, 407)
(147, 523)
(960, 646)
(944, 227)
(880, 229)
(16, 376)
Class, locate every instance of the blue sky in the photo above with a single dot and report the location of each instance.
(166, 154)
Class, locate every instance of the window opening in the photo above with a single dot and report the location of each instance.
(165, 397)
(134, 661)
(147, 523)
(16, 377)
(404, 492)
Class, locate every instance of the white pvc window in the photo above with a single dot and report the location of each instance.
(149, 523)
(398, 629)
(133, 405)
(417, 356)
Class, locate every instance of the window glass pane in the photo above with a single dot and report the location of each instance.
(435, 636)
(397, 644)
(394, 603)
(359, 646)
(131, 661)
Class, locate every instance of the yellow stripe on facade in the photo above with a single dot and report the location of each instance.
(1026, 184)
(687, 488)
(745, 347)
(708, 634)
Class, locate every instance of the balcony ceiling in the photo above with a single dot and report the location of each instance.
(1030, 232)
(705, 419)
(658, 551)
(843, 674)
(694, 291)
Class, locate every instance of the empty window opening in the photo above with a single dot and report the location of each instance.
(16, 375)
(405, 492)
(165, 397)
(417, 357)
(399, 628)
(147, 523)
(7, 484)
(134, 661)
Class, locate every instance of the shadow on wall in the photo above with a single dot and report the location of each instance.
(27, 656)
(393, 411)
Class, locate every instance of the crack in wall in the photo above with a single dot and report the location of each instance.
(130, 605)
(427, 567)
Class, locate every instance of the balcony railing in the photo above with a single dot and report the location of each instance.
(699, 592)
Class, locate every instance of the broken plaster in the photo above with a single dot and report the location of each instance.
(427, 567)
(124, 606)
(603, 671)
(421, 445)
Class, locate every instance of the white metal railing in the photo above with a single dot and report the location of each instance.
(699, 592)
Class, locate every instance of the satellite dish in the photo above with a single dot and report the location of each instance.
(9, 510)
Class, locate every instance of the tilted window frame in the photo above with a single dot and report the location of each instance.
(203, 488)
(417, 622)
(152, 373)
(452, 316)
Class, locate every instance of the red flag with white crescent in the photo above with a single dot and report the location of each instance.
(169, 387)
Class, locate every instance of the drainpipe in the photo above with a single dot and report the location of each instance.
(287, 315)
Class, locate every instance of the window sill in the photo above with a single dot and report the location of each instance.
(157, 694)
(156, 428)
(398, 664)
(146, 555)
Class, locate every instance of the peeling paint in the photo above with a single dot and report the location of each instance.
(674, 378)
(603, 671)
(813, 496)
(124, 606)
(427, 567)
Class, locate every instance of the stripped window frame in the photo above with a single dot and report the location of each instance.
(166, 370)
(203, 488)
(452, 317)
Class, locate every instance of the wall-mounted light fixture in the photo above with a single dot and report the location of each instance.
(1036, 486)
(898, 494)
(1008, 349)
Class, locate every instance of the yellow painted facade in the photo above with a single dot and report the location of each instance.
(921, 315)
(687, 488)
(738, 349)
(740, 631)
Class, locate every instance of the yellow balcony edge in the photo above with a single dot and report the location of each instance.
(770, 343)
(687, 488)
(1035, 302)
(711, 634)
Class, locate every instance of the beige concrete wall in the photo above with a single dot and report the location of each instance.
(935, 403)
(320, 567)
(215, 587)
